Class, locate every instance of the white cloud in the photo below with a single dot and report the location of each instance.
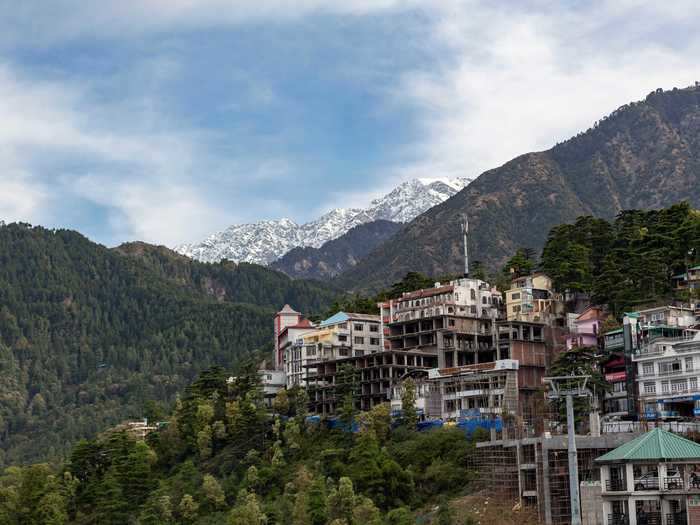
(514, 82)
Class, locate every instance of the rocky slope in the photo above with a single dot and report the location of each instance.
(644, 155)
(338, 255)
(265, 241)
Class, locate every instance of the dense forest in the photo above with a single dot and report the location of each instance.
(627, 262)
(223, 459)
(88, 334)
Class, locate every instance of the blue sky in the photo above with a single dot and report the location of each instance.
(167, 120)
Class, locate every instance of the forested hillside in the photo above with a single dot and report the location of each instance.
(88, 334)
(223, 459)
(627, 262)
(645, 155)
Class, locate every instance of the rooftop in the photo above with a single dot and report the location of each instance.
(655, 445)
(342, 317)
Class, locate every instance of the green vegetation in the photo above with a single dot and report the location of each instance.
(627, 262)
(222, 459)
(88, 334)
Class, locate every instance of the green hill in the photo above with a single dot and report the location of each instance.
(88, 333)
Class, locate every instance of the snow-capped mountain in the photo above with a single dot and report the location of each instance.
(265, 241)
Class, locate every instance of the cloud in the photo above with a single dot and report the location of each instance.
(70, 19)
(514, 81)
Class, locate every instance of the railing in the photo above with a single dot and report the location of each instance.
(675, 519)
(673, 483)
(646, 484)
(617, 519)
(670, 372)
(616, 485)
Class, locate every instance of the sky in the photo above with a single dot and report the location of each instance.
(168, 120)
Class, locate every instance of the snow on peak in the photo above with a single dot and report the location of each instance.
(265, 241)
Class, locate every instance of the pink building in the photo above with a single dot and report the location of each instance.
(286, 318)
(586, 328)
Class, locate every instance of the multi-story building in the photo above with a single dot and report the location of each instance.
(690, 280)
(584, 330)
(615, 400)
(674, 316)
(532, 298)
(667, 370)
(288, 326)
(484, 390)
(454, 321)
(375, 376)
(340, 336)
(272, 381)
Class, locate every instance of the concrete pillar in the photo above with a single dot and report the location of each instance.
(607, 510)
(594, 419)
(631, 512)
(546, 492)
(629, 476)
(604, 477)
(662, 475)
(665, 509)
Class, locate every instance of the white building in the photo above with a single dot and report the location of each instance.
(667, 370)
(342, 335)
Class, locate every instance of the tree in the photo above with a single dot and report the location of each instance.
(445, 513)
(317, 503)
(188, 508)
(520, 264)
(341, 501)
(247, 510)
(400, 516)
(377, 421)
(213, 492)
(408, 404)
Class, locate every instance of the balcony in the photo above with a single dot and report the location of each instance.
(677, 518)
(616, 485)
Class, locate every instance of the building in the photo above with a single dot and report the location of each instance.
(272, 381)
(375, 376)
(690, 280)
(615, 400)
(342, 335)
(454, 321)
(675, 316)
(652, 479)
(486, 390)
(584, 330)
(667, 370)
(532, 298)
(288, 325)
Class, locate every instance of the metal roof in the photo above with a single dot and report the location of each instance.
(342, 317)
(657, 444)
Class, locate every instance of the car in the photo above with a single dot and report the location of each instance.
(649, 481)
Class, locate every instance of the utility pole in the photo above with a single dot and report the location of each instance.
(570, 387)
(465, 234)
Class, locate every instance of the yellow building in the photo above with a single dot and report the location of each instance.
(532, 299)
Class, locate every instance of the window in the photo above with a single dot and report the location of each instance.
(648, 369)
(688, 364)
(344, 352)
(473, 294)
(374, 328)
(483, 300)
(515, 296)
(343, 338)
(359, 327)
(374, 341)
(620, 386)
(679, 386)
(450, 322)
(664, 387)
(343, 326)
(359, 340)
(310, 351)
(650, 388)
(693, 384)
(472, 308)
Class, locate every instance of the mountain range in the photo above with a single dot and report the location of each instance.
(338, 255)
(645, 155)
(263, 242)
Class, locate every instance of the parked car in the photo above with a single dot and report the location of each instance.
(650, 481)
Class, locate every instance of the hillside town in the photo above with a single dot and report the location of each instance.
(478, 358)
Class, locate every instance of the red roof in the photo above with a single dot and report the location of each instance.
(427, 292)
(304, 323)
